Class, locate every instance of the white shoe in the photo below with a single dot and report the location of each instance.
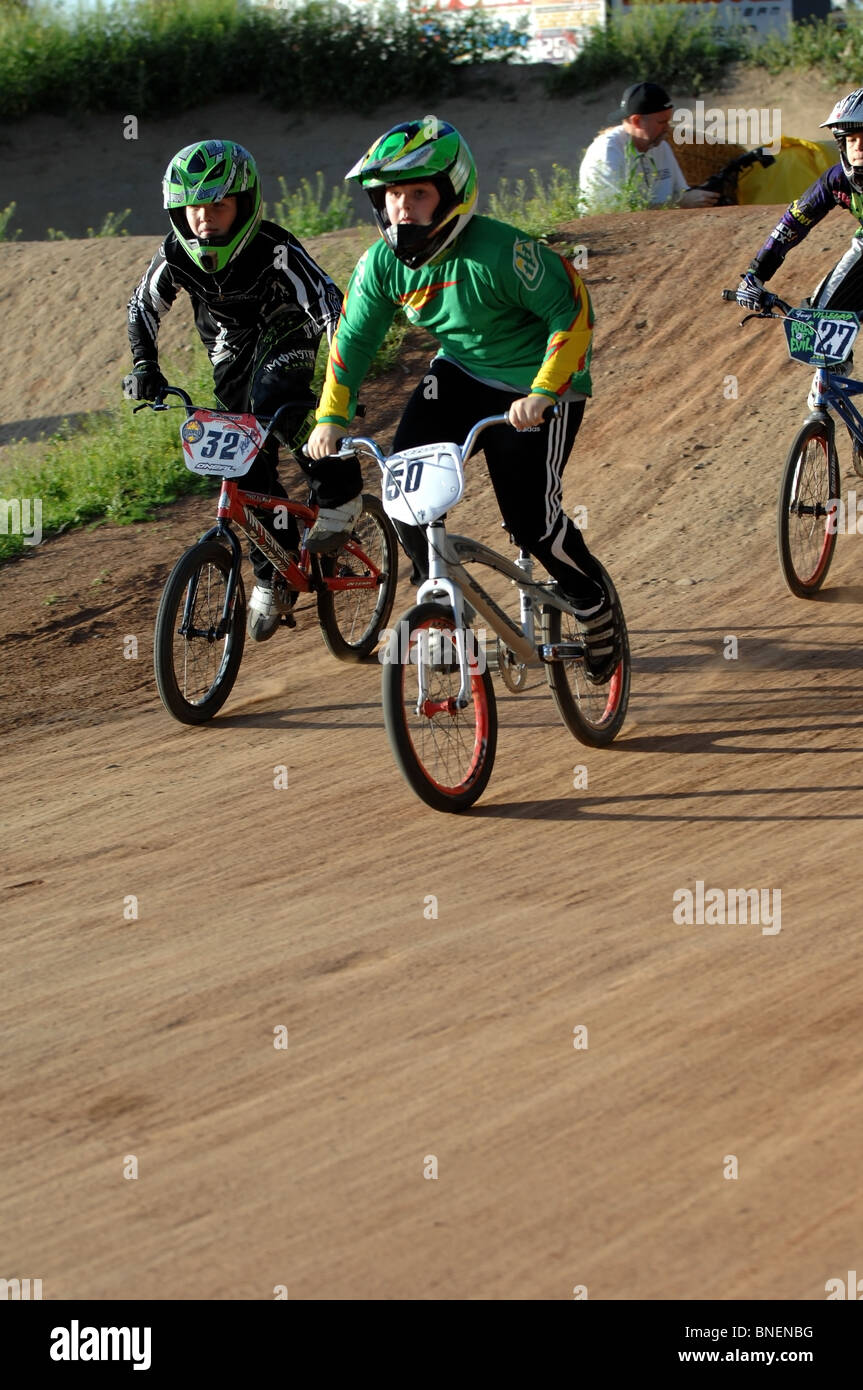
(334, 526)
(266, 606)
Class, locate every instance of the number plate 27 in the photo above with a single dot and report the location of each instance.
(224, 445)
(820, 337)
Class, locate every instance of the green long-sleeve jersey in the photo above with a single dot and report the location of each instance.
(502, 306)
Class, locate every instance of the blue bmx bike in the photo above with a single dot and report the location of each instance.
(809, 501)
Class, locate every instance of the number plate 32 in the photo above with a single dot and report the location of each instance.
(219, 444)
(820, 337)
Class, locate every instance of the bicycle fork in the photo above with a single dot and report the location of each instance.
(221, 533)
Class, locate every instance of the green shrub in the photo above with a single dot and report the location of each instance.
(5, 218)
(302, 209)
(152, 58)
(658, 41)
(837, 52)
(541, 210)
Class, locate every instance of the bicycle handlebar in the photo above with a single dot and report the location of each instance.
(768, 303)
(306, 403)
(351, 444)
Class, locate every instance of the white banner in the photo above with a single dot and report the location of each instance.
(555, 32)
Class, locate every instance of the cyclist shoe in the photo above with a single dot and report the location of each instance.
(271, 601)
(602, 647)
(334, 526)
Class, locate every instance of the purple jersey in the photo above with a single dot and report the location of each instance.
(830, 190)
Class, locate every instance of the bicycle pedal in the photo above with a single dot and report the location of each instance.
(289, 620)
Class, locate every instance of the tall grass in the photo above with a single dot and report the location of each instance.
(6, 216)
(819, 44)
(150, 58)
(117, 465)
(539, 210)
(661, 43)
(304, 212)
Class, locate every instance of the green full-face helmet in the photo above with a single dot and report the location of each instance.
(416, 152)
(205, 173)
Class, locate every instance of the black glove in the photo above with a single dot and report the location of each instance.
(144, 383)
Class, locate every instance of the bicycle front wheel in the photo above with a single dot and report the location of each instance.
(351, 618)
(808, 498)
(593, 713)
(445, 754)
(197, 662)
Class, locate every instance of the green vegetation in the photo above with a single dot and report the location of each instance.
(5, 218)
(112, 225)
(835, 51)
(689, 54)
(151, 58)
(543, 209)
(302, 209)
(115, 465)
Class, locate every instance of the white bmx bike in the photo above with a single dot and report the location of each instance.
(438, 699)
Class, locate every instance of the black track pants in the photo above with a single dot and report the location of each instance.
(262, 378)
(525, 467)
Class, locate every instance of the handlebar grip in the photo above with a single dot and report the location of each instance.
(730, 295)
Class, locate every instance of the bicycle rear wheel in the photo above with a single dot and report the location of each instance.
(351, 619)
(806, 530)
(445, 754)
(593, 713)
(196, 669)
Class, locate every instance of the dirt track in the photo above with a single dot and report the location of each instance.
(453, 1037)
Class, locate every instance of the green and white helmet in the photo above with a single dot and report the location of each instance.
(205, 173)
(427, 150)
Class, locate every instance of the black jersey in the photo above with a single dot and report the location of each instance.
(272, 281)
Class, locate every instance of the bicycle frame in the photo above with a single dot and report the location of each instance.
(235, 507)
(448, 579)
(837, 392)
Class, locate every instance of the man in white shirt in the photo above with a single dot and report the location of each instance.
(634, 161)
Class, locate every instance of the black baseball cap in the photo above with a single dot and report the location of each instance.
(643, 99)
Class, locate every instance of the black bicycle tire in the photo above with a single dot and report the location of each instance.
(167, 623)
(806, 587)
(593, 733)
(461, 795)
(335, 640)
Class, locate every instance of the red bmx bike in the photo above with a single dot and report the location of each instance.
(201, 624)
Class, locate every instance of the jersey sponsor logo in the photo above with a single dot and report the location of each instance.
(527, 263)
(356, 285)
(414, 301)
(799, 215)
